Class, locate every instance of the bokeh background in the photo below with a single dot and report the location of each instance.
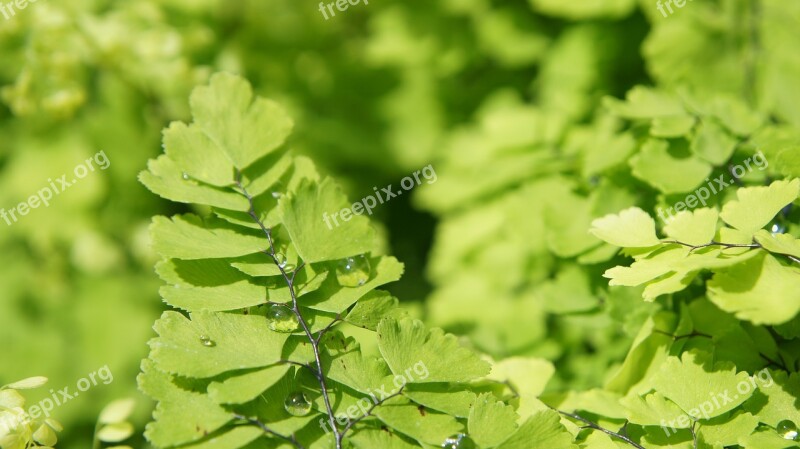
(484, 90)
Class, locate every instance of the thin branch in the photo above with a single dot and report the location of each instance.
(732, 245)
(267, 430)
(299, 364)
(296, 309)
(713, 243)
(680, 337)
(595, 426)
(781, 365)
(330, 325)
(355, 421)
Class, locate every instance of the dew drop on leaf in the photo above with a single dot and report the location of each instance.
(297, 404)
(280, 259)
(353, 271)
(185, 176)
(458, 441)
(205, 341)
(276, 195)
(778, 228)
(281, 318)
(787, 429)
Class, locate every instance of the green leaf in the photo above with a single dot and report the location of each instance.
(242, 129)
(407, 343)
(778, 243)
(210, 284)
(645, 103)
(27, 384)
(116, 432)
(332, 297)
(727, 430)
(543, 430)
(490, 421)
(760, 290)
(778, 397)
(570, 292)
(379, 438)
(164, 178)
(767, 439)
(241, 436)
(45, 436)
(672, 126)
(529, 376)
(453, 399)
(657, 166)
(345, 364)
(198, 156)
(117, 411)
(652, 409)
(310, 216)
(584, 9)
(371, 308)
(757, 206)
(241, 388)
(181, 238)
(213, 343)
(427, 427)
(631, 228)
(713, 144)
(701, 389)
(172, 425)
(696, 227)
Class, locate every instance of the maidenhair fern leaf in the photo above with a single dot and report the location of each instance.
(263, 357)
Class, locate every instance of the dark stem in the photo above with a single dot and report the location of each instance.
(296, 309)
(732, 245)
(325, 330)
(595, 426)
(713, 243)
(355, 421)
(781, 365)
(267, 430)
(680, 337)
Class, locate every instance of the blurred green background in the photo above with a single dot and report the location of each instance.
(377, 92)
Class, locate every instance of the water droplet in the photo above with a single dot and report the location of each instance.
(280, 259)
(353, 271)
(787, 429)
(288, 267)
(297, 404)
(205, 341)
(281, 318)
(458, 441)
(185, 176)
(778, 228)
(276, 195)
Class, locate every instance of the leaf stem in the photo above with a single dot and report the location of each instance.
(732, 245)
(355, 421)
(595, 426)
(267, 430)
(296, 309)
